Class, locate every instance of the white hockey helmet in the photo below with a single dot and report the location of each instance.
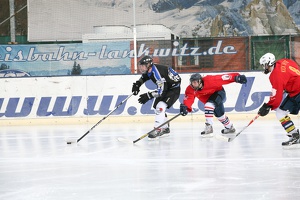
(267, 61)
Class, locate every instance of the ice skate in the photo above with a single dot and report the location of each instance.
(163, 132)
(160, 132)
(208, 131)
(293, 142)
(153, 135)
(228, 130)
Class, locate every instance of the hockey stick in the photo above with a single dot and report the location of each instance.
(146, 134)
(70, 140)
(227, 139)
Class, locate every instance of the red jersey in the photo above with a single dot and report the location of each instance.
(211, 84)
(284, 77)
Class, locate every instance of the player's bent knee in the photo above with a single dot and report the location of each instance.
(281, 113)
(160, 107)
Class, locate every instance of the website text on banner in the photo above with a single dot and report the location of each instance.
(82, 96)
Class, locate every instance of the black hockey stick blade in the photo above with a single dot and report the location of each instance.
(71, 140)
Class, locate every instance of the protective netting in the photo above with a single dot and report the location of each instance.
(68, 20)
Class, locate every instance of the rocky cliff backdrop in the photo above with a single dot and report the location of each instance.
(187, 18)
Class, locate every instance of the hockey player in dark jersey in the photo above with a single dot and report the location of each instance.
(284, 78)
(166, 94)
(209, 90)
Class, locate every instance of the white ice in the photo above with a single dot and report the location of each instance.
(36, 163)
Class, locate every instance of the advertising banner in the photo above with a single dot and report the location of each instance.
(67, 59)
(48, 97)
(108, 58)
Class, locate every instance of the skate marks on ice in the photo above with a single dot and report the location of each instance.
(210, 135)
(40, 165)
(125, 140)
(229, 137)
(291, 147)
(128, 141)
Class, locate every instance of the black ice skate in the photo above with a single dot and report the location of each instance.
(160, 132)
(153, 135)
(294, 139)
(164, 132)
(228, 130)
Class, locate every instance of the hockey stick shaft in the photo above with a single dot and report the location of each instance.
(145, 135)
(230, 139)
(104, 118)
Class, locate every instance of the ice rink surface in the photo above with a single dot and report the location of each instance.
(37, 164)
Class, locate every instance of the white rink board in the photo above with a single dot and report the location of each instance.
(80, 97)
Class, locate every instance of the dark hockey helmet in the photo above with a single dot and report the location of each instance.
(196, 77)
(145, 60)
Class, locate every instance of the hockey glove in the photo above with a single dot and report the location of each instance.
(240, 79)
(183, 110)
(136, 87)
(264, 110)
(145, 97)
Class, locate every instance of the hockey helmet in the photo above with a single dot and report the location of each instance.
(145, 60)
(195, 77)
(267, 61)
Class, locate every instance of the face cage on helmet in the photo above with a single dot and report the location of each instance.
(266, 67)
(196, 88)
(148, 65)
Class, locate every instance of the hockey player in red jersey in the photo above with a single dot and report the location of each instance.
(209, 90)
(284, 78)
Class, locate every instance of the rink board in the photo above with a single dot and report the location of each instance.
(82, 99)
